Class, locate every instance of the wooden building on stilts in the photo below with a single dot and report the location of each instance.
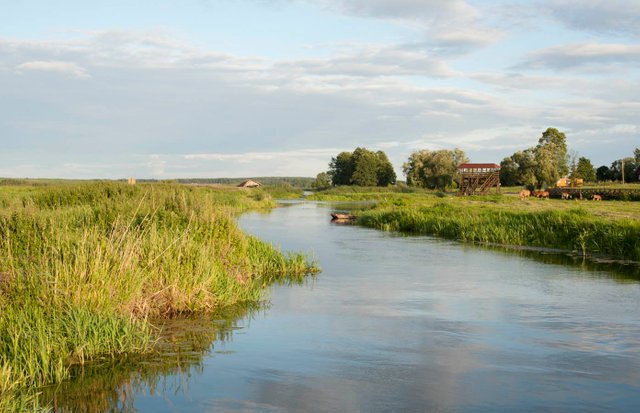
(478, 178)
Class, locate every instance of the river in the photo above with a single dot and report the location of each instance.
(400, 324)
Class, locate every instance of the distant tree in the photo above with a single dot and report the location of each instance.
(573, 161)
(584, 170)
(551, 157)
(603, 173)
(629, 170)
(361, 167)
(341, 169)
(636, 155)
(323, 181)
(508, 172)
(433, 169)
(386, 174)
(526, 166)
(365, 171)
(630, 167)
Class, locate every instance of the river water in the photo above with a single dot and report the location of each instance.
(397, 324)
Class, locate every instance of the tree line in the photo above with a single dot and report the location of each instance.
(539, 166)
(361, 167)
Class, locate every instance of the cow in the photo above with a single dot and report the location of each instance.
(525, 193)
(542, 194)
(566, 195)
(596, 197)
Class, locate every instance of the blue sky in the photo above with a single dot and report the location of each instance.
(222, 88)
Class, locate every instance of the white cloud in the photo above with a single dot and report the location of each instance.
(234, 115)
(451, 27)
(262, 156)
(583, 54)
(374, 60)
(66, 68)
(621, 17)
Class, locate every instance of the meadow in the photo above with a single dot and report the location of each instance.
(588, 228)
(86, 266)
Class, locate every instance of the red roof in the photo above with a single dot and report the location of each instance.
(478, 165)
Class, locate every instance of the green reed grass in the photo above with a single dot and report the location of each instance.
(84, 266)
(573, 229)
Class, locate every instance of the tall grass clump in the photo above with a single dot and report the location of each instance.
(83, 268)
(573, 229)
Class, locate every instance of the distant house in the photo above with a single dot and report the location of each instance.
(249, 184)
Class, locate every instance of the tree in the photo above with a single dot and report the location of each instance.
(385, 173)
(629, 170)
(323, 181)
(361, 167)
(603, 173)
(433, 169)
(341, 168)
(584, 170)
(551, 157)
(365, 171)
(508, 172)
(526, 166)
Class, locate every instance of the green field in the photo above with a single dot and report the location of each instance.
(609, 228)
(84, 266)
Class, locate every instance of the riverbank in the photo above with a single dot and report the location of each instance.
(85, 266)
(610, 228)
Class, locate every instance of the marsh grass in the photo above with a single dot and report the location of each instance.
(85, 266)
(610, 228)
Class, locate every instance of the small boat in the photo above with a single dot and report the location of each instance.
(341, 217)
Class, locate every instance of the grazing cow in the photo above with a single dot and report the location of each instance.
(525, 193)
(566, 195)
(597, 197)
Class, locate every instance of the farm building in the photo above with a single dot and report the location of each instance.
(478, 178)
(565, 182)
(249, 184)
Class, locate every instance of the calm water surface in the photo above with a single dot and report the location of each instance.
(403, 324)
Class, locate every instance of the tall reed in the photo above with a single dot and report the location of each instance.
(84, 266)
(573, 229)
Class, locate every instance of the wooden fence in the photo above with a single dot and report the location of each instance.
(605, 193)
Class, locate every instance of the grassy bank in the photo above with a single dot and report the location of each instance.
(607, 228)
(84, 266)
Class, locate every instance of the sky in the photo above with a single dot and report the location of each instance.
(240, 88)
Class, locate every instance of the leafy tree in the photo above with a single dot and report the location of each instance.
(323, 181)
(603, 173)
(361, 167)
(629, 170)
(526, 166)
(341, 169)
(365, 172)
(584, 170)
(385, 173)
(508, 172)
(551, 157)
(433, 169)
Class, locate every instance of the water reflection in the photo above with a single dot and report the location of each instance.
(114, 385)
(623, 271)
